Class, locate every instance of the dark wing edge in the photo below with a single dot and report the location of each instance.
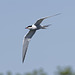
(26, 43)
(40, 20)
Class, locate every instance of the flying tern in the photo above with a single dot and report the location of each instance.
(32, 29)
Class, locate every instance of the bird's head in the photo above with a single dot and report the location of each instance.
(28, 27)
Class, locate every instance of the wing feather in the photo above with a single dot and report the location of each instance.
(40, 20)
(26, 42)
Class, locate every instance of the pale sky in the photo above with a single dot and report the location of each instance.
(48, 48)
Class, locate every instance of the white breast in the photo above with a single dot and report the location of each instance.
(34, 27)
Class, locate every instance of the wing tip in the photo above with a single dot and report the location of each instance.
(23, 61)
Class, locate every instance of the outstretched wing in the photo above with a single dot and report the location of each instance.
(26, 42)
(40, 20)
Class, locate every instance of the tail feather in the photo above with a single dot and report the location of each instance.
(44, 27)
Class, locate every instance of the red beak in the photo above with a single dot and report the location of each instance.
(26, 28)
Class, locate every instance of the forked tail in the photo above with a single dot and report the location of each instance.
(45, 26)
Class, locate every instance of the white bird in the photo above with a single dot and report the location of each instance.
(29, 35)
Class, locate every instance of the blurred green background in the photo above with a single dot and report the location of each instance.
(59, 71)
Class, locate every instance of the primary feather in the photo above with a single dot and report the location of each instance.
(40, 20)
(26, 42)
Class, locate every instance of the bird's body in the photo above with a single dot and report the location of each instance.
(32, 29)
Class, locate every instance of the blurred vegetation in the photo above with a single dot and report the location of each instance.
(60, 71)
(64, 71)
